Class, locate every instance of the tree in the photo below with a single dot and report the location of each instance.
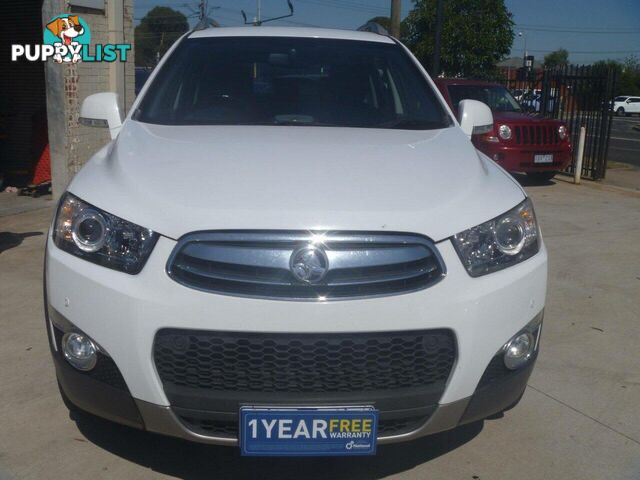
(629, 79)
(476, 34)
(159, 28)
(557, 58)
(627, 74)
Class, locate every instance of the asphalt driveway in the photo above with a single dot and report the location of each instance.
(579, 418)
(624, 144)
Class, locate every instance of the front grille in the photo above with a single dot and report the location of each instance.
(107, 372)
(259, 264)
(229, 428)
(202, 362)
(210, 427)
(536, 135)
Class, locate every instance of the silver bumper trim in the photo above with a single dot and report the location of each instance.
(160, 419)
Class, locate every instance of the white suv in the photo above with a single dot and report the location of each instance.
(291, 245)
(626, 105)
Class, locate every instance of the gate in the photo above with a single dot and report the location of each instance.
(580, 96)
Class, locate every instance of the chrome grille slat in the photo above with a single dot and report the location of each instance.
(370, 257)
(536, 135)
(228, 276)
(253, 256)
(257, 264)
(388, 278)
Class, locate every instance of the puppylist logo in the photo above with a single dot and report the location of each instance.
(67, 39)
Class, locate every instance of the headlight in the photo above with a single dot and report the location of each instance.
(562, 132)
(499, 243)
(99, 237)
(505, 132)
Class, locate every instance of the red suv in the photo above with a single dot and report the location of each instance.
(519, 142)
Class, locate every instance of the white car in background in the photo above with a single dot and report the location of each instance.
(626, 105)
(292, 246)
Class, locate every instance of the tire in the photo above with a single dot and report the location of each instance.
(541, 176)
(620, 112)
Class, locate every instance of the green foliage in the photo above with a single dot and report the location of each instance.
(159, 28)
(557, 58)
(629, 79)
(476, 34)
(627, 74)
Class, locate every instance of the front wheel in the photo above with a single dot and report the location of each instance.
(541, 176)
(620, 111)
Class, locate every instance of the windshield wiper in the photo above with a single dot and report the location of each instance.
(290, 123)
(294, 120)
(412, 124)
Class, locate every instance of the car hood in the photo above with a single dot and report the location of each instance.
(522, 117)
(178, 179)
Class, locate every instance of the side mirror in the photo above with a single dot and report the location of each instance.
(475, 117)
(101, 110)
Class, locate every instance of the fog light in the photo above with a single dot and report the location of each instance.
(518, 351)
(79, 351)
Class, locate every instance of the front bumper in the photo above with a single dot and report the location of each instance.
(520, 158)
(106, 398)
(123, 313)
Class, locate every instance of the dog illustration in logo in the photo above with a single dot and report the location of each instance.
(66, 29)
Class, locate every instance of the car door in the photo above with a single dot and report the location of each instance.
(634, 105)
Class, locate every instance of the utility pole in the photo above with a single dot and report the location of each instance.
(202, 13)
(524, 37)
(395, 18)
(438, 39)
(257, 21)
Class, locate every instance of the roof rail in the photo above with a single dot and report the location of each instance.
(373, 27)
(205, 23)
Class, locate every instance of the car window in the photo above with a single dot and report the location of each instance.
(291, 81)
(620, 99)
(634, 100)
(498, 98)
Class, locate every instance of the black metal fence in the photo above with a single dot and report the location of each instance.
(580, 96)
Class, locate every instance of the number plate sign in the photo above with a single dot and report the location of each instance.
(543, 158)
(335, 431)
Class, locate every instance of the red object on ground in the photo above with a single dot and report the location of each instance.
(42, 172)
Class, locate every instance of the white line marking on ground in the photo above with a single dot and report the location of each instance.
(584, 414)
(612, 147)
(626, 139)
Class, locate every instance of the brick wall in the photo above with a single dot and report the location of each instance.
(130, 67)
(73, 144)
(90, 77)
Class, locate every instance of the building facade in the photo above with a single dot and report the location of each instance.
(67, 85)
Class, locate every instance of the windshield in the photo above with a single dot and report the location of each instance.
(291, 81)
(498, 98)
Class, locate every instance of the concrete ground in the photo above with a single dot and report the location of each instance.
(579, 418)
(12, 203)
(623, 175)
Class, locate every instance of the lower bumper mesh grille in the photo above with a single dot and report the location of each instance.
(205, 361)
